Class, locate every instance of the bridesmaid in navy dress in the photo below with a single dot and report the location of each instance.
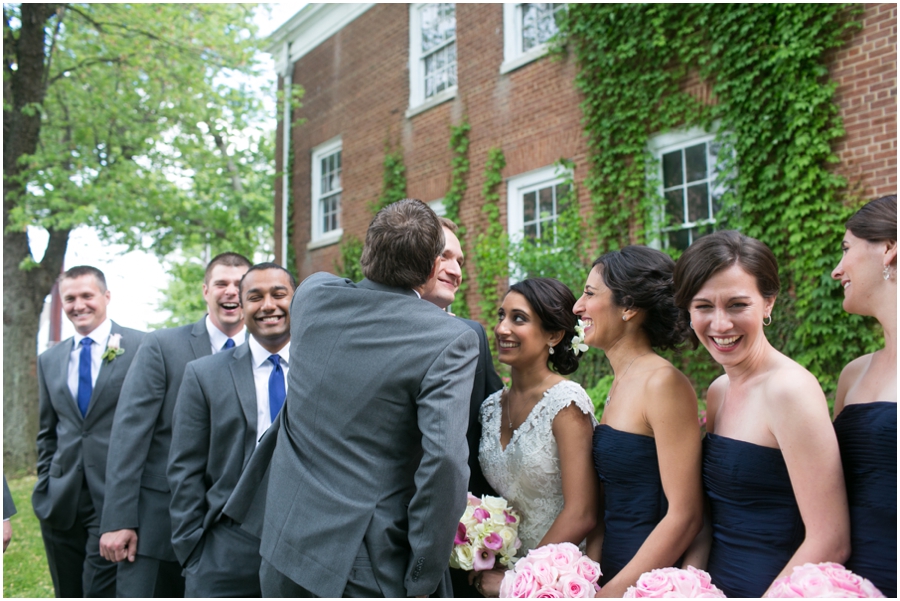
(647, 446)
(771, 464)
(865, 408)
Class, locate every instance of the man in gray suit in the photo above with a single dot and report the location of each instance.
(368, 476)
(226, 402)
(79, 381)
(136, 528)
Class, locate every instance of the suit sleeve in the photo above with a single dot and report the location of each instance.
(140, 402)
(188, 458)
(46, 438)
(443, 473)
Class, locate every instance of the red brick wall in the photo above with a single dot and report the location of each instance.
(865, 70)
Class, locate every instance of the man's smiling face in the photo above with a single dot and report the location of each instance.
(222, 300)
(441, 288)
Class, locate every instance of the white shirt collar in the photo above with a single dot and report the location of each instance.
(261, 355)
(217, 337)
(100, 334)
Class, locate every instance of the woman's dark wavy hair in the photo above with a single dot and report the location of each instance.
(876, 221)
(552, 302)
(641, 278)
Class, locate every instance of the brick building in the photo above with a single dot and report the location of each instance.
(401, 75)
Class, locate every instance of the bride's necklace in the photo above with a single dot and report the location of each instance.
(509, 401)
(616, 380)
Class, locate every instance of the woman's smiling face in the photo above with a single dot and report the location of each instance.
(727, 315)
(601, 317)
(519, 333)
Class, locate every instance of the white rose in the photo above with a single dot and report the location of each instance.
(462, 558)
(494, 504)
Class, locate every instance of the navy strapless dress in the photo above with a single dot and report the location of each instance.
(867, 434)
(633, 494)
(756, 522)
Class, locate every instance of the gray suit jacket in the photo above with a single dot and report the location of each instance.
(137, 490)
(71, 447)
(372, 444)
(9, 507)
(213, 437)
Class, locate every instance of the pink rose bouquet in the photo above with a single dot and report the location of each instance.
(552, 571)
(674, 583)
(487, 533)
(823, 580)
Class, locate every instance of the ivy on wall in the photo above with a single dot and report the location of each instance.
(492, 245)
(459, 171)
(774, 106)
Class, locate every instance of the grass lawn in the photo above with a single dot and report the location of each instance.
(25, 572)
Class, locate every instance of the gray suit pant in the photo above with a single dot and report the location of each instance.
(73, 555)
(149, 577)
(361, 582)
(226, 563)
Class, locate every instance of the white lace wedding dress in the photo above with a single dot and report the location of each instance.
(526, 473)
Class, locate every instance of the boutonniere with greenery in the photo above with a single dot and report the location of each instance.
(578, 345)
(113, 347)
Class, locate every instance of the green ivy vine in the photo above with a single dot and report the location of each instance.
(492, 245)
(774, 107)
(459, 171)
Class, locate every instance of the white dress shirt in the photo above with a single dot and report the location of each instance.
(262, 369)
(217, 337)
(99, 336)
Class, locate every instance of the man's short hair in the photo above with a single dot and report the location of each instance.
(227, 259)
(82, 270)
(263, 267)
(402, 243)
(450, 225)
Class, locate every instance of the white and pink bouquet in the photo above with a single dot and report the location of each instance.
(822, 580)
(487, 533)
(553, 571)
(674, 583)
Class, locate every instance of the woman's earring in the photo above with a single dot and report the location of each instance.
(887, 272)
(551, 349)
(623, 318)
(769, 317)
(691, 324)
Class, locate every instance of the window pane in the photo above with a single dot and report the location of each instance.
(538, 23)
(529, 202)
(716, 205)
(546, 200)
(562, 191)
(679, 239)
(531, 231)
(698, 202)
(695, 157)
(674, 207)
(672, 172)
(438, 25)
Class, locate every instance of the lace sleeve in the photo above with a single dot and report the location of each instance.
(566, 393)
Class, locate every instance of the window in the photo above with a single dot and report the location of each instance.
(534, 202)
(438, 207)
(526, 30)
(326, 194)
(432, 55)
(687, 168)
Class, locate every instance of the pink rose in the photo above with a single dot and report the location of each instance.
(483, 560)
(481, 514)
(703, 577)
(811, 581)
(651, 584)
(523, 585)
(845, 580)
(461, 538)
(506, 585)
(588, 569)
(564, 554)
(574, 586)
(540, 552)
(545, 572)
(683, 583)
(493, 541)
(473, 500)
(547, 592)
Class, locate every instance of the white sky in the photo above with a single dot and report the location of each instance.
(135, 279)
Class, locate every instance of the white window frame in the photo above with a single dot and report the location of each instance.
(671, 141)
(513, 54)
(318, 238)
(417, 101)
(438, 207)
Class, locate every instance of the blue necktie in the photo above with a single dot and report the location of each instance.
(276, 387)
(228, 344)
(85, 386)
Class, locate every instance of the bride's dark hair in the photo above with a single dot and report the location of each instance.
(552, 302)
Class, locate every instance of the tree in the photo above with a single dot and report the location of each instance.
(121, 117)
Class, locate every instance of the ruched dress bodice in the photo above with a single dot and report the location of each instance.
(634, 501)
(526, 473)
(756, 522)
(867, 434)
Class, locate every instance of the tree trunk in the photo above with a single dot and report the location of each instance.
(23, 290)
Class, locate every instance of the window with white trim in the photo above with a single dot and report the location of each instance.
(534, 203)
(432, 54)
(526, 30)
(687, 169)
(326, 193)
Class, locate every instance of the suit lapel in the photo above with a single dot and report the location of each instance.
(245, 385)
(59, 364)
(106, 368)
(200, 343)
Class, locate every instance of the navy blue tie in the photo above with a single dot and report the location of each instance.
(276, 387)
(85, 386)
(228, 344)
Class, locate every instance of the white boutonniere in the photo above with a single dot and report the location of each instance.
(113, 347)
(578, 345)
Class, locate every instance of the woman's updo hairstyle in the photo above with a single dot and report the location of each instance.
(876, 221)
(641, 278)
(717, 252)
(552, 302)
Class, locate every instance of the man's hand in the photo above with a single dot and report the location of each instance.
(119, 545)
(7, 534)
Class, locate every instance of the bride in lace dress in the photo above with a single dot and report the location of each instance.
(536, 441)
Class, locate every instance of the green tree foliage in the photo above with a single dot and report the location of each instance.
(127, 118)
